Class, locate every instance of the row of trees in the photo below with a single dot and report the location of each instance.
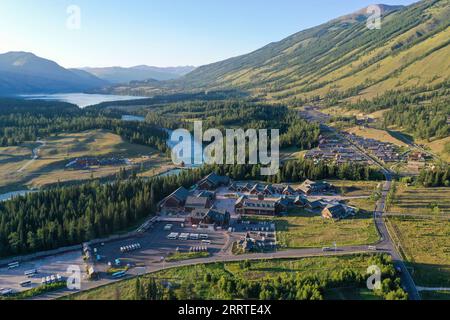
(300, 170)
(438, 177)
(421, 111)
(22, 121)
(286, 286)
(242, 114)
(422, 121)
(71, 215)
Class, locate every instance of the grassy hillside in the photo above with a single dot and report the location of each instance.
(342, 57)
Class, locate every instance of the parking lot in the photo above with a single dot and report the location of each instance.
(46, 267)
(154, 245)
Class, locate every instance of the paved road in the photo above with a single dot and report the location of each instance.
(155, 267)
(386, 243)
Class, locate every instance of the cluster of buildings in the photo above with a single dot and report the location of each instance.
(383, 151)
(336, 151)
(342, 151)
(86, 163)
(198, 206)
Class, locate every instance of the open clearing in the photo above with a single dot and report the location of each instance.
(380, 135)
(258, 271)
(308, 230)
(301, 229)
(426, 245)
(355, 188)
(49, 168)
(438, 147)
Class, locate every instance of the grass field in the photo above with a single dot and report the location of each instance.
(439, 147)
(422, 201)
(306, 230)
(49, 168)
(355, 188)
(426, 244)
(302, 229)
(186, 256)
(257, 271)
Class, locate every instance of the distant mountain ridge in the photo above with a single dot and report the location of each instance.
(26, 73)
(118, 75)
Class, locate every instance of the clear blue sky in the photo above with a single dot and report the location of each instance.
(159, 32)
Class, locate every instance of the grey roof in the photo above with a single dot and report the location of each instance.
(216, 179)
(181, 194)
(336, 210)
(192, 201)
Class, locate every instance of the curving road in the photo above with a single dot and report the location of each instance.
(385, 245)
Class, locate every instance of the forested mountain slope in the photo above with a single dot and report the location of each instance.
(340, 58)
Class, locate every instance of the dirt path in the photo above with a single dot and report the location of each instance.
(35, 155)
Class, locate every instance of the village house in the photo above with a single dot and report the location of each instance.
(202, 217)
(193, 203)
(288, 191)
(175, 202)
(246, 206)
(335, 212)
(310, 187)
(301, 201)
(315, 205)
(212, 182)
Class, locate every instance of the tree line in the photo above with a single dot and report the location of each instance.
(24, 121)
(300, 170)
(438, 177)
(234, 114)
(67, 216)
(286, 286)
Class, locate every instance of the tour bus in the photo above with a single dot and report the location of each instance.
(173, 236)
(193, 236)
(30, 273)
(119, 274)
(13, 265)
(184, 236)
(5, 292)
(25, 283)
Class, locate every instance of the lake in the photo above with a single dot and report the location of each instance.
(133, 118)
(80, 99)
(10, 195)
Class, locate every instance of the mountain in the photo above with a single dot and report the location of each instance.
(25, 73)
(138, 73)
(342, 56)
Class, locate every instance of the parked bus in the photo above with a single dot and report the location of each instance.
(30, 273)
(13, 265)
(25, 283)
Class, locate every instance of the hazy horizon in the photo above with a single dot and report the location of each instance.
(158, 33)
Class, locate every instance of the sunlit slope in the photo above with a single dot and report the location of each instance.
(343, 55)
